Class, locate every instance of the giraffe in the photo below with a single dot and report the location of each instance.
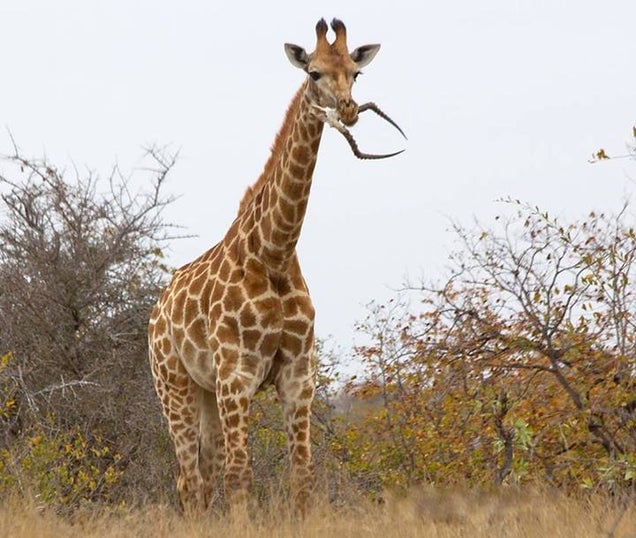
(240, 317)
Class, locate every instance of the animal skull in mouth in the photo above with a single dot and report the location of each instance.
(332, 118)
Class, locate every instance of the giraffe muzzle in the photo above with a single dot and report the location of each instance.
(348, 111)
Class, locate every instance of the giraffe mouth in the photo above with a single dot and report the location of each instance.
(331, 116)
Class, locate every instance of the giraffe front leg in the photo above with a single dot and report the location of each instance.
(295, 387)
(212, 446)
(233, 397)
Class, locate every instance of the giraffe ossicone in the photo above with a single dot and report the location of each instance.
(240, 316)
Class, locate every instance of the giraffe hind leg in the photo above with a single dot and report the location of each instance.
(180, 400)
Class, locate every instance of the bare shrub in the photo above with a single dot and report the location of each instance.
(81, 264)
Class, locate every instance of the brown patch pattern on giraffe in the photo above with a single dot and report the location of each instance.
(240, 316)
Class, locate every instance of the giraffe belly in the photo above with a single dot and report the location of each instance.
(202, 369)
(233, 350)
(257, 370)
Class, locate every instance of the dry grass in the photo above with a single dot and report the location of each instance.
(422, 513)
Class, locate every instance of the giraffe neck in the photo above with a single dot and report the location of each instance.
(273, 209)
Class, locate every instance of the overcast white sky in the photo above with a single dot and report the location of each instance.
(498, 98)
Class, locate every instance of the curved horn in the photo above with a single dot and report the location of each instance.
(341, 35)
(356, 150)
(376, 109)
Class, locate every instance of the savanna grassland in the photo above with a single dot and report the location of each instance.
(514, 377)
(421, 513)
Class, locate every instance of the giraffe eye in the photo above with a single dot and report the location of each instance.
(315, 75)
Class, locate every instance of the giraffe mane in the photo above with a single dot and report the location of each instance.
(276, 151)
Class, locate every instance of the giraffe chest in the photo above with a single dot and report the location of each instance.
(248, 327)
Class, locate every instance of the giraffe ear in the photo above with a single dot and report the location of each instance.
(297, 56)
(363, 55)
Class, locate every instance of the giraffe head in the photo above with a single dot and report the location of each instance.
(332, 70)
